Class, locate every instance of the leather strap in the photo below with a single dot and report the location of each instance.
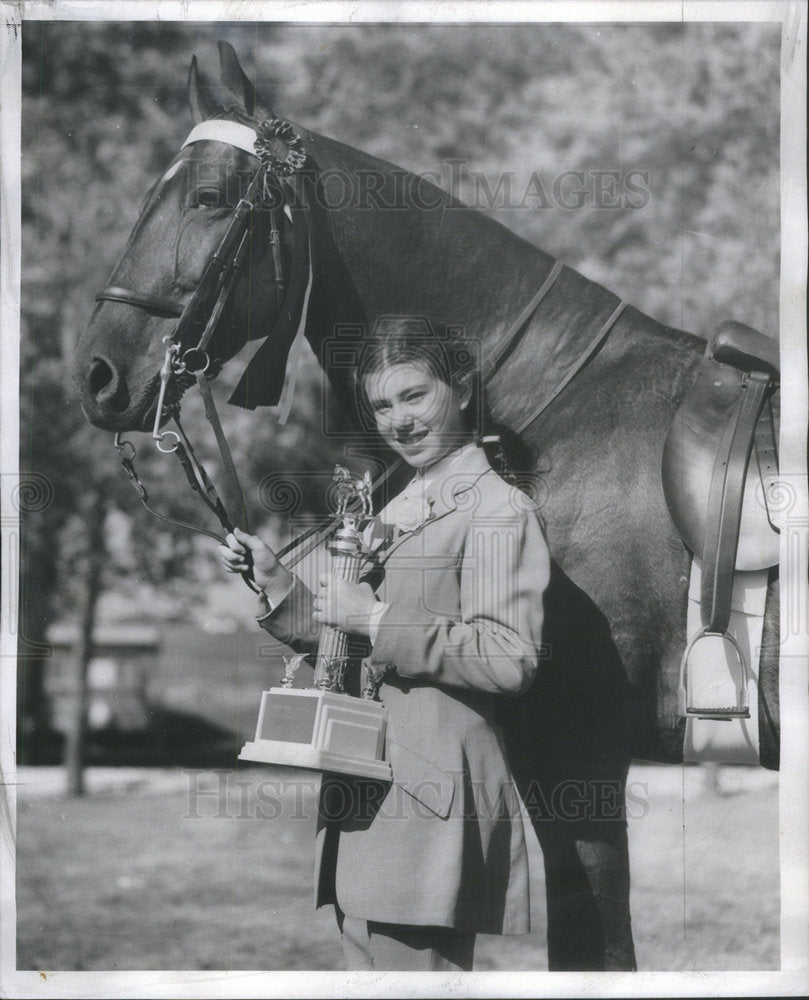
(128, 465)
(574, 370)
(151, 303)
(223, 130)
(725, 498)
(495, 359)
(200, 482)
(262, 380)
(224, 450)
(766, 446)
(196, 315)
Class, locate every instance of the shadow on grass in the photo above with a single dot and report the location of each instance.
(172, 738)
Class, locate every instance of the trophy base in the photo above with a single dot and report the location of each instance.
(320, 730)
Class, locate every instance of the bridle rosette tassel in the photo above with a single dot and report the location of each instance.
(279, 147)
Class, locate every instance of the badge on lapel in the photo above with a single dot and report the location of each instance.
(413, 513)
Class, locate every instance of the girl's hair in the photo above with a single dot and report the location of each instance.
(449, 356)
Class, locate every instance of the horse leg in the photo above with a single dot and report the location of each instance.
(768, 694)
(575, 931)
(568, 742)
(603, 851)
(581, 828)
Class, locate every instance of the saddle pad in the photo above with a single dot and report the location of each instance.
(714, 674)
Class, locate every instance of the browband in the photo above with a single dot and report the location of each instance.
(222, 130)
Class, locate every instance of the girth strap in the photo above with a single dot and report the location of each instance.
(725, 504)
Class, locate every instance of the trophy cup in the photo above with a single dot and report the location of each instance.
(323, 727)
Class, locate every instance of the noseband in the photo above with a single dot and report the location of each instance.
(151, 303)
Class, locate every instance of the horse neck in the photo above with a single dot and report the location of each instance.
(448, 262)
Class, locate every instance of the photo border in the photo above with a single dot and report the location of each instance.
(793, 978)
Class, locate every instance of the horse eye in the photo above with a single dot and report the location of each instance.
(208, 198)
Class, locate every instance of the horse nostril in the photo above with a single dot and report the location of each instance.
(101, 381)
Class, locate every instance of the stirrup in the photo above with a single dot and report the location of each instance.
(741, 710)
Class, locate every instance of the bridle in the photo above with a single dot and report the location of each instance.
(187, 357)
(187, 360)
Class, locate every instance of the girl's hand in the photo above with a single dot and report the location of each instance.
(268, 571)
(343, 605)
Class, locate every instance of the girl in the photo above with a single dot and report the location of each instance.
(452, 611)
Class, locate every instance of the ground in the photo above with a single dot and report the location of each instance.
(164, 869)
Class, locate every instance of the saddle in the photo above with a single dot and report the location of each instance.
(720, 465)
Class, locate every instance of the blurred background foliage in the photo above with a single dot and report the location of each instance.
(493, 111)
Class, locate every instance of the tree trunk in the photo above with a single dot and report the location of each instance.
(83, 650)
(35, 734)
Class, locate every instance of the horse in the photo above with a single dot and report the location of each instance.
(350, 238)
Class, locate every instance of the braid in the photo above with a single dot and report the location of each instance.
(492, 445)
(510, 457)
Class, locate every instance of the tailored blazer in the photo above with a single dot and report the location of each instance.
(444, 844)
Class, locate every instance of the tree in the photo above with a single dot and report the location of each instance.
(692, 108)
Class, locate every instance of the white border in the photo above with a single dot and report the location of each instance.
(793, 979)
(794, 678)
(10, 259)
(308, 11)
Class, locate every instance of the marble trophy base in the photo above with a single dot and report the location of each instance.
(317, 729)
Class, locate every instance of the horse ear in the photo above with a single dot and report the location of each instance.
(238, 86)
(199, 97)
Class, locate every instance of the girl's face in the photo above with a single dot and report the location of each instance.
(417, 414)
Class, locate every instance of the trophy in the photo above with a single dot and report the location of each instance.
(323, 727)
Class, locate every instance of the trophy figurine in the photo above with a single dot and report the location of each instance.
(323, 727)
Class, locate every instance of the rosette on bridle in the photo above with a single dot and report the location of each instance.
(279, 147)
(280, 150)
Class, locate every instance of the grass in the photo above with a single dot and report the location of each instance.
(157, 877)
(705, 879)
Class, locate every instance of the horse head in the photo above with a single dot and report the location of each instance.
(383, 241)
(181, 226)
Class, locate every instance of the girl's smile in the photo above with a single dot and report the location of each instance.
(418, 415)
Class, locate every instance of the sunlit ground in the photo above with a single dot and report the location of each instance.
(160, 869)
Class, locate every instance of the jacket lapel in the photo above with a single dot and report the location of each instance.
(445, 491)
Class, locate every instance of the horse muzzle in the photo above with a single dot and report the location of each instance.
(107, 398)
